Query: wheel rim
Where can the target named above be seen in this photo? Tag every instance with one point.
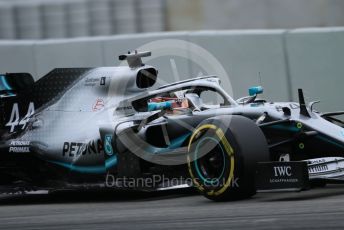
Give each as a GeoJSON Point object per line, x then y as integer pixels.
{"type": "Point", "coordinates": [210, 168]}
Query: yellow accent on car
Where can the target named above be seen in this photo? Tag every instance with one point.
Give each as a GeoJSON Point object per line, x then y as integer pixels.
{"type": "Point", "coordinates": [301, 145]}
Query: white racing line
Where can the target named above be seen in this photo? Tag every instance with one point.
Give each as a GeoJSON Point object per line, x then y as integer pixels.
{"type": "Point", "coordinates": [23, 193]}
{"type": "Point", "coordinates": [38, 192]}
{"type": "Point", "coordinates": [174, 187]}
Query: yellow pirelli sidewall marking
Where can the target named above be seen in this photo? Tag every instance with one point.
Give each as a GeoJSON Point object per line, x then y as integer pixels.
{"type": "Point", "coordinates": [200, 187]}
{"type": "Point", "coordinates": [206, 126]}
{"type": "Point", "coordinates": [229, 150]}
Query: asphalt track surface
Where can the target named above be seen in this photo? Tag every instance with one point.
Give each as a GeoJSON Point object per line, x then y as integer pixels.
{"type": "Point", "coordinates": [321, 208]}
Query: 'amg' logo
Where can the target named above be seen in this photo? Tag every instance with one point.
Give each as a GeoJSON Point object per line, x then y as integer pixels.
{"type": "Point", "coordinates": [282, 171]}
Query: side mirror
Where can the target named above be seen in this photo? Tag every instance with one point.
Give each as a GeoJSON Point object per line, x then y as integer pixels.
{"type": "Point", "coordinates": [255, 90]}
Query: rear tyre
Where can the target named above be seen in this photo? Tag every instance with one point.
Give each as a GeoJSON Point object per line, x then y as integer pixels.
{"type": "Point", "coordinates": [223, 152]}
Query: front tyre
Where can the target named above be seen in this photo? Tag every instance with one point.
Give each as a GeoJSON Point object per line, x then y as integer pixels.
{"type": "Point", "coordinates": [223, 152]}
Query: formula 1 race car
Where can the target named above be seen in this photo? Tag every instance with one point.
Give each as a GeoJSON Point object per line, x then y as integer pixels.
{"type": "Point", "coordinates": [108, 127]}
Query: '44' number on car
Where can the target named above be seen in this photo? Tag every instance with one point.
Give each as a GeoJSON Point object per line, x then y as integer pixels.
{"type": "Point", "coordinates": [15, 119]}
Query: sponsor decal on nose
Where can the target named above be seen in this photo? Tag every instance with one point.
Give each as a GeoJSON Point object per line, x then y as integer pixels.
{"type": "Point", "coordinates": [98, 105]}
{"type": "Point", "coordinates": [19, 146]}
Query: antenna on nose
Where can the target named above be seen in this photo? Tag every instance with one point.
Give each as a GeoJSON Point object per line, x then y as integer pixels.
{"type": "Point", "coordinates": [303, 108]}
